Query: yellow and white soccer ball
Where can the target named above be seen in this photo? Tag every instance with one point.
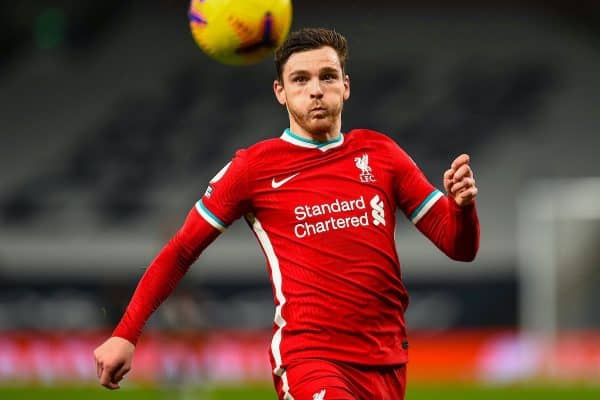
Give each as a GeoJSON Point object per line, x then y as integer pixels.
{"type": "Point", "coordinates": [239, 32]}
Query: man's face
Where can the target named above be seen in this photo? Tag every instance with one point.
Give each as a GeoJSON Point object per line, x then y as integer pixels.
{"type": "Point", "coordinates": [314, 89]}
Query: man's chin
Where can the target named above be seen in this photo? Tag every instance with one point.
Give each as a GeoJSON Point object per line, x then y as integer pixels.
{"type": "Point", "coordinates": [319, 126]}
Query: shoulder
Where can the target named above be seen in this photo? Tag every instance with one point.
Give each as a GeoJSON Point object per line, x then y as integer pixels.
{"type": "Point", "coordinates": [394, 152]}
{"type": "Point", "coordinates": [379, 139]}
{"type": "Point", "coordinates": [256, 151]}
{"type": "Point", "coordinates": [259, 155]}
{"type": "Point", "coordinates": [370, 135]}
{"type": "Point", "coordinates": [263, 148]}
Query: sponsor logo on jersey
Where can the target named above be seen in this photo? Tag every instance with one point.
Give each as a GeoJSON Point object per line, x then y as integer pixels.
{"type": "Point", "coordinates": [378, 213]}
{"type": "Point", "coordinates": [362, 163]}
{"type": "Point", "coordinates": [339, 214]}
{"type": "Point", "coordinates": [320, 395]}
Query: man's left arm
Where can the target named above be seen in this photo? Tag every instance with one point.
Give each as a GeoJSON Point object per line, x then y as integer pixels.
{"type": "Point", "coordinates": [452, 223]}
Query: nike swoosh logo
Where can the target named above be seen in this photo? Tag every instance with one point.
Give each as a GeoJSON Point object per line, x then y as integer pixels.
{"type": "Point", "coordinates": [277, 184]}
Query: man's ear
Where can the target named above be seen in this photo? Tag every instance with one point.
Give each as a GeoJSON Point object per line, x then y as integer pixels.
{"type": "Point", "coordinates": [346, 87]}
{"type": "Point", "coordinates": [279, 91]}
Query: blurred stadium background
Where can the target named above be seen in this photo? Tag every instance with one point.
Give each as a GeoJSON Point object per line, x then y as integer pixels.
{"type": "Point", "coordinates": [112, 122]}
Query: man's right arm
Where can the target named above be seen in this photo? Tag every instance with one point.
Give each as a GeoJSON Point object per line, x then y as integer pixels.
{"type": "Point", "coordinates": [113, 357]}
{"type": "Point", "coordinates": [225, 200]}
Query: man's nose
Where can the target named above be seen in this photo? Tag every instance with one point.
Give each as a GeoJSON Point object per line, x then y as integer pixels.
{"type": "Point", "coordinates": [315, 89]}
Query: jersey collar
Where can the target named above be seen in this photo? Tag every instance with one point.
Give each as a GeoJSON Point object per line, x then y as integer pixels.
{"type": "Point", "coordinates": [294, 139]}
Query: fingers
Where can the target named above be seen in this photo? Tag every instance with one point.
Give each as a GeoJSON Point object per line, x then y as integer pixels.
{"type": "Point", "coordinates": [113, 360]}
{"type": "Point", "coordinates": [120, 373]}
{"type": "Point", "coordinates": [460, 160]}
{"type": "Point", "coordinates": [462, 171]}
{"type": "Point", "coordinates": [110, 375]}
{"type": "Point", "coordinates": [448, 175]}
{"type": "Point", "coordinates": [108, 378]}
{"type": "Point", "coordinates": [467, 196]}
{"type": "Point", "coordinates": [455, 180]}
{"type": "Point", "coordinates": [458, 169]}
{"type": "Point", "coordinates": [459, 181]}
{"type": "Point", "coordinates": [465, 183]}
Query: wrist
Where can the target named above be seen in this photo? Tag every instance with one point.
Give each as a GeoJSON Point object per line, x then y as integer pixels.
{"type": "Point", "coordinates": [125, 334]}
{"type": "Point", "coordinates": [460, 207]}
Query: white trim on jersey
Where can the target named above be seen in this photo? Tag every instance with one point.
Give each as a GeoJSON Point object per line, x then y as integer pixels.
{"type": "Point", "coordinates": [210, 217]}
{"type": "Point", "coordinates": [291, 137]}
{"type": "Point", "coordinates": [265, 242]}
{"type": "Point", "coordinates": [220, 174]}
{"type": "Point", "coordinates": [425, 206]}
{"type": "Point", "coordinates": [285, 386]}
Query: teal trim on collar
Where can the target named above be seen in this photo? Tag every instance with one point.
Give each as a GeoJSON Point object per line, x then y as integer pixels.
{"type": "Point", "coordinates": [289, 132]}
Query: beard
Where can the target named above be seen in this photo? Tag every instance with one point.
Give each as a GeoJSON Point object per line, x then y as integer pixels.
{"type": "Point", "coordinates": [317, 122]}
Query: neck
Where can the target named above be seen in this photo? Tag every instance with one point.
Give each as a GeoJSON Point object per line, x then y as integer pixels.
{"type": "Point", "coordinates": [321, 136]}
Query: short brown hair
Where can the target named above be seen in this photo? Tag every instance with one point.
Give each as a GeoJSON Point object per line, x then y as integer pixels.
{"type": "Point", "coordinates": [310, 39]}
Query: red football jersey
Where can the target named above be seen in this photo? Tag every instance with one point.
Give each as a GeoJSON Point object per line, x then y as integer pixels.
{"type": "Point", "coordinates": [324, 216]}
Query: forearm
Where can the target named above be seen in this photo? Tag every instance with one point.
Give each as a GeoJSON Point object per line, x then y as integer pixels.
{"type": "Point", "coordinates": [164, 273]}
{"type": "Point", "coordinates": [453, 229]}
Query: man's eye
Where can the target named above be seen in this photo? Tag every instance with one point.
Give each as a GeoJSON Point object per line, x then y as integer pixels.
{"type": "Point", "coordinates": [300, 79]}
{"type": "Point", "coordinates": [329, 77]}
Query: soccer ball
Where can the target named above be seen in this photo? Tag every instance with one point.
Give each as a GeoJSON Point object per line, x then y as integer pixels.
{"type": "Point", "coordinates": [239, 32]}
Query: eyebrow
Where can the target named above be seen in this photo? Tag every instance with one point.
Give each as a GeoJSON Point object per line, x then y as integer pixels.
{"type": "Point", "coordinates": [329, 69]}
{"type": "Point", "coordinates": [322, 70]}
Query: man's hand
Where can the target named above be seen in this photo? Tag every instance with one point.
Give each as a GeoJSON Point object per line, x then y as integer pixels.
{"type": "Point", "coordinates": [113, 361]}
{"type": "Point", "coordinates": [459, 181]}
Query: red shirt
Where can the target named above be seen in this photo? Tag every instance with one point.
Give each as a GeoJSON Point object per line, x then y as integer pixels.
{"type": "Point", "coordinates": [324, 215]}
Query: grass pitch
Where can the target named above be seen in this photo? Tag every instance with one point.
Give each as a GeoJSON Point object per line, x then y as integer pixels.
{"type": "Point", "coordinates": [415, 392]}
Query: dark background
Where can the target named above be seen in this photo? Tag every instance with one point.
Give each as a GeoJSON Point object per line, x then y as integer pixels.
{"type": "Point", "coordinates": [112, 121]}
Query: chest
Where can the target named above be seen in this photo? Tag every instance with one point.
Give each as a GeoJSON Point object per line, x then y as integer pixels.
{"type": "Point", "coordinates": [344, 189]}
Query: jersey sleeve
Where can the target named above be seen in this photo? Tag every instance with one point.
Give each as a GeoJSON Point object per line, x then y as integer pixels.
{"type": "Point", "coordinates": [227, 196]}
{"type": "Point", "coordinates": [164, 273]}
{"type": "Point", "coordinates": [415, 195]}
